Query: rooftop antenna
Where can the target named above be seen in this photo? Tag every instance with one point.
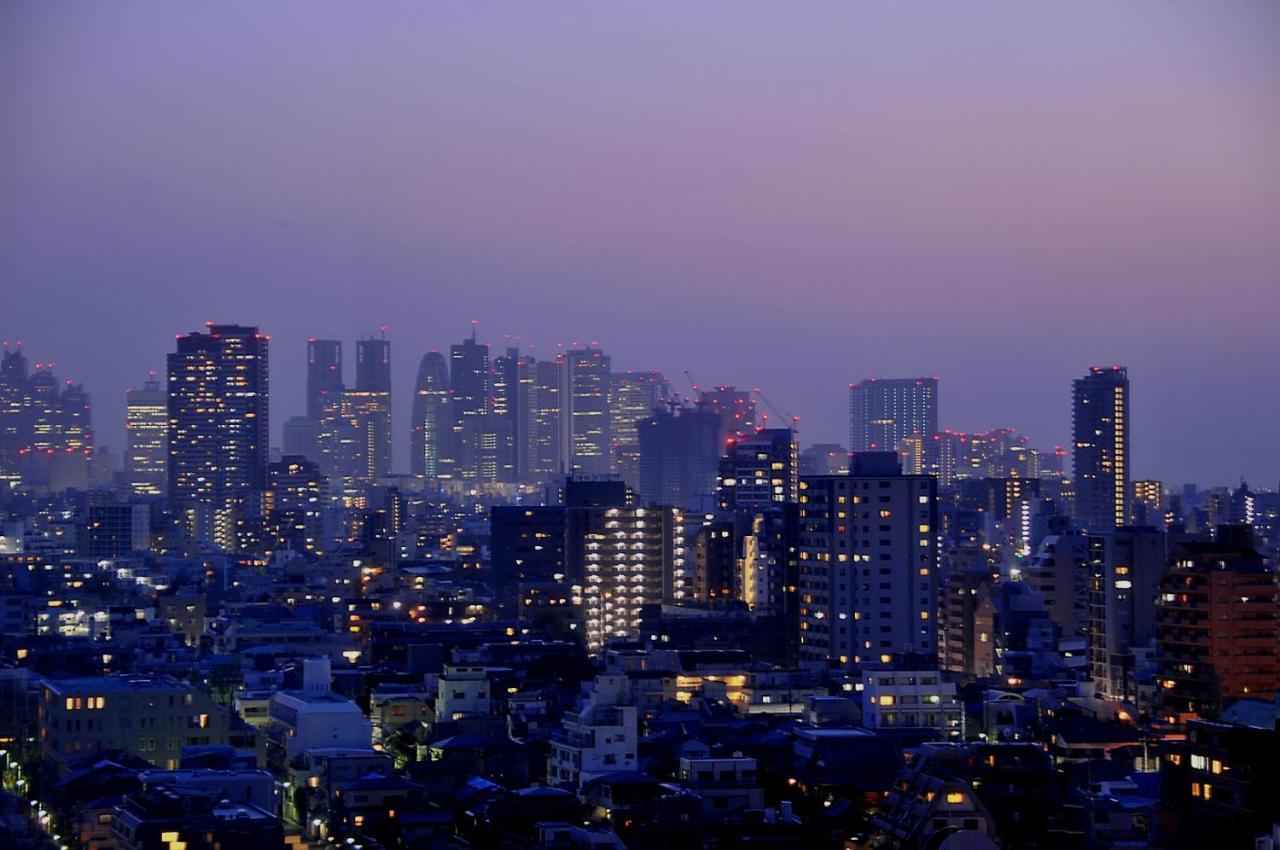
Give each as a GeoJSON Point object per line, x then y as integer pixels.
{"type": "Point", "coordinates": [474, 322]}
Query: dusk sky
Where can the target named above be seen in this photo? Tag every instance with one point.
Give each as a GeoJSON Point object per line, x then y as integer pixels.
{"type": "Point", "coordinates": [789, 195]}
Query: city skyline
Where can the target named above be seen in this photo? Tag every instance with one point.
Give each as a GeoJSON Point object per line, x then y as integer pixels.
{"type": "Point", "coordinates": [289, 399]}
{"type": "Point", "coordinates": [814, 426]}
{"type": "Point", "coordinates": [871, 192]}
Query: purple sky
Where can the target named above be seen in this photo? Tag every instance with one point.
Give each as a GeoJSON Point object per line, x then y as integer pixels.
{"type": "Point", "coordinates": [775, 194]}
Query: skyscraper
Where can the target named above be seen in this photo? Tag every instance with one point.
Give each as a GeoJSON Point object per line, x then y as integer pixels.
{"type": "Point", "coordinates": [373, 365]}
{"type": "Point", "coordinates": [868, 563]}
{"type": "Point", "coordinates": [327, 441]}
{"type": "Point", "coordinates": [1100, 439]}
{"type": "Point", "coordinates": [324, 376]}
{"type": "Point", "coordinates": [146, 425]}
{"type": "Point", "coordinates": [545, 459]}
{"type": "Point", "coordinates": [368, 408]}
{"type": "Point", "coordinates": [885, 411]}
{"type": "Point", "coordinates": [218, 428]}
{"type": "Point", "coordinates": [469, 399]}
{"type": "Point", "coordinates": [632, 396]}
{"type": "Point", "coordinates": [590, 440]}
{"type": "Point", "coordinates": [679, 457]}
{"type": "Point", "coordinates": [430, 429]}
{"type": "Point", "coordinates": [46, 427]}
{"type": "Point", "coordinates": [510, 413]}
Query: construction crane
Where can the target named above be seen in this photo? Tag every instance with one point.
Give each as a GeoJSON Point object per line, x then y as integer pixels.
{"type": "Point", "coordinates": [793, 421]}
{"type": "Point", "coordinates": [696, 389]}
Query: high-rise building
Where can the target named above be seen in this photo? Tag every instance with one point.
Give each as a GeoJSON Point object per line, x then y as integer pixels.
{"type": "Point", "coordinates": [543, 456]}
{"type": "Point", "coordinates": [633, 557]}
{"type": "Point", "coordinates": [146, 426]}
{"type": "Point", "coordinates": [868, 563]}
{"type": "Point", "coordinates": [1126, 566]}
{"type": "Point", "coordinates": [1217, 626]}
{"type": "Point", "coordinates": [218, 428]}
{"type": "Point", "coordinates": [611, 556]}
{"type": "Point", "coordinates": [368, 406]}
{"type": "Point", "coordinates": [590, 435]}
{"type": "Point", "coordinates": [324, 376]}
{"type": "Point", "coordinates": [296, 505]}
{"type": "Point", "coordinates": [1100, 430]}
{"type": "Point", "coordinates": [736, 409]}
{"type": "Point", "coordinates": [679, 458]}
{"type": "Point", "coordinates": [301, 437]}
{"type": "Point", "coordinates": [758, 471]}
{"type": "Point", "coordinates": [883, 412]}
{"type": "Point", "coordinates": [509, 417]}
{"type": "Point", "coordinates": [46, 429]}
{"type": "Point", "coordinates": [330, 445]}
{"type": "Point", "coordinates": [431, 429]}
{"type": "Point", "coordinates": [632, 396]}
{"type": "Point", "coordinates": [469, 376]}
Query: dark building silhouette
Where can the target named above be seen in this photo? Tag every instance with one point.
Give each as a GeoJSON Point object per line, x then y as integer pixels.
{"type": "Point", "coordinates": [679, 458]}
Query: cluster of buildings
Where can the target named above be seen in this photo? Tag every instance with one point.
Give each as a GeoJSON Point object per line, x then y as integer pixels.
{"type": "Point", "coordinates": [597, 613]}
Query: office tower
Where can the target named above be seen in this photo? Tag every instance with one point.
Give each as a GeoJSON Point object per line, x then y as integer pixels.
{"type": "Point", "coordinates": [333, 444]}
{"type": "Point", "coordinates": [587, 380]}
{"type": "Point", "coordinates": [1217, 626]}
{"type": "Point", "coordinates": [1146, 505]}
{"type": "Point", "coordinates": [544, 459]}
{"type": "Point", "coordinates": [868, 563]}
{"type": "Point", "coordinates": [13, 394]}
{"type": "Point", "coordinates": [1100, 432]}
{"type": "Point", "coordinates": [885, 411]}
{"type": "Point", "coordinates": [75, 422]}
{"type": "Point", "coordinates": [296, 505]}
{"type": "Point", "coordinates": [509, 417]}
{"type": "Point", "coordinates": [758, 471]}
{"type": "Point", "coordinates": [679, 458]}
{"type": "Point", "coordinates": [324, 376]}
{"type": "Point", "coordinates": [431, 429]}
{"type": "Point", "coordinates": [46, 429]}
{"type": "Point", "coordinates": [736, 409]}
{"type": "Point", "coordinates": [632, 396]}
{"type": "Point", "coordinates": [146, 424]}
{"type": "Point", "coordinates": [218, 428]}
{"type": "Point", "coordinates": [469, 399]}
{"type": "Point", "coordinates": [1126, 566]}
{"type": "Point", "coordinates": [301, 437]}
{"type": "Point", "coordinates": [368, 408]}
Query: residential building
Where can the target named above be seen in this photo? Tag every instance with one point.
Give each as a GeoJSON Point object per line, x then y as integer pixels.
{"type": "Point", "coordinates": [1100, 438]}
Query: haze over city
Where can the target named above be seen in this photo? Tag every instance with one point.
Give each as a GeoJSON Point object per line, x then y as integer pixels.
{"type": "Point", "coordinates": [998, 194]}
